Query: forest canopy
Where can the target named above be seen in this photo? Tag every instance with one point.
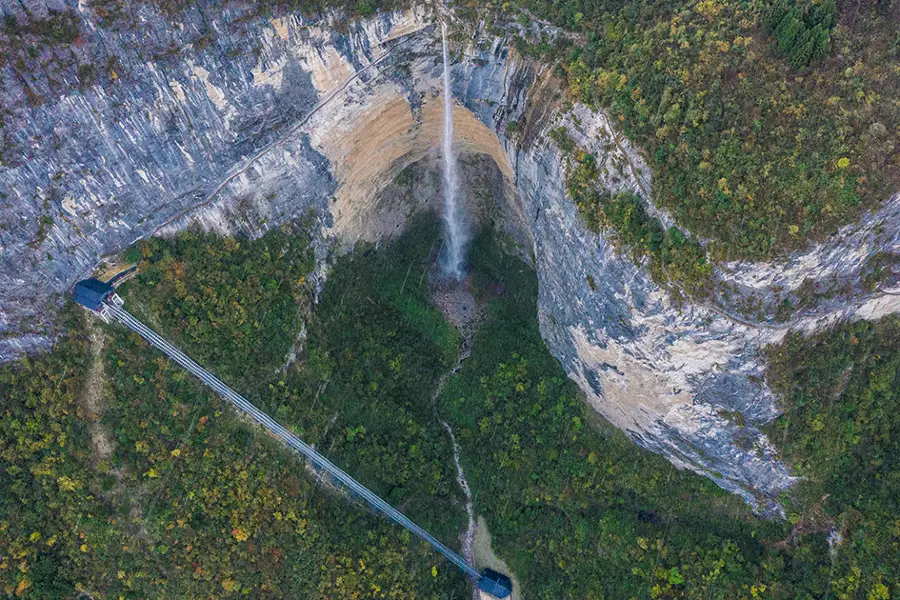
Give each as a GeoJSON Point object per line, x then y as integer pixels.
{"type": "Point", "coordinates": [767, 124]}
{"type": "Point", "coordinates": [166, 492]}
{"type": "Point", "coordinates": [841, 430]}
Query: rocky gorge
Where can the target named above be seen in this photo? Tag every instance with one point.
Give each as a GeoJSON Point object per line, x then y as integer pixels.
{"type": "Point", "coordinates": [256, 121]}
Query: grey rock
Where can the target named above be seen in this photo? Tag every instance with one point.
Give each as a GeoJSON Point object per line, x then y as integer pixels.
{"type": "Point", "coordinates": [36, 9]}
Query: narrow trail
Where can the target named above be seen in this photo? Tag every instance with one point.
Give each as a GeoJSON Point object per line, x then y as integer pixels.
{"type": "Point", "coordinates": [476, 539]}
{"type": "Point", "coordinates": [468, 538]}
{"type": "Point", "coordinates": [92, 400]}
{"type": "Point", "coordinates": [467, 330]}
{"type": "Point", "coordinates": [103, 445]}
{"type": "Point", "coordinates": [248, 162]}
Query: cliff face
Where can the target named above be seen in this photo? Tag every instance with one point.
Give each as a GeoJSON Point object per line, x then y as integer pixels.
{"type": "Point", "coordinates": [271, 119]}
{"type": "Point", "coordinates": [244, 121]}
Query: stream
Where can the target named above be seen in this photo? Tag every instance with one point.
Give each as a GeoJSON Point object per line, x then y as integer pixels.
{"type": "Point", "coordinates": [467, 327]}
{"type": "Point", "coordinates": [468, 538]}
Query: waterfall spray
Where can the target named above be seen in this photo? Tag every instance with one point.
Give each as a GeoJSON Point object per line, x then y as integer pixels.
{"type": "Point", "coordinates": [453, 260]}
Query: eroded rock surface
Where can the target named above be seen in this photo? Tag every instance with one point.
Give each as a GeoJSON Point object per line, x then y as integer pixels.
{"type": "Point", "coordinates": [280, 118]}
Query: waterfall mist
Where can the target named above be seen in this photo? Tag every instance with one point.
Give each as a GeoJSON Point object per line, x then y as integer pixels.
{"type": "Point", "coordinates": [453, 258]}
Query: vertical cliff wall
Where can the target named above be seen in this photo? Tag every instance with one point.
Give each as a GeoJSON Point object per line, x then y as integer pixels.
{"type": "Point", "coordinates": [685, 380]}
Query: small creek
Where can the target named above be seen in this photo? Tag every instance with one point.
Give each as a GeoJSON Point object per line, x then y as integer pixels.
{"type": "Point", "coordinates": [461, 309]}
{"type": "Point", "coordinates": [469, 537]}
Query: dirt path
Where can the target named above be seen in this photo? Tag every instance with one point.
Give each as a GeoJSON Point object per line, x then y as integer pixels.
{"type": "Point", "coordinates": [92, 398]}
{"type": "Point", "coordinates": [93, 403]}
{"type": "Point", "coordinates": [458, 306]}
{"type": "Point", "coordinates": [468, 536]}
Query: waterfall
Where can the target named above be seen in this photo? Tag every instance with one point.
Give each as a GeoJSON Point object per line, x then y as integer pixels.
{"type": "Point", "coordinates": [453, 260]}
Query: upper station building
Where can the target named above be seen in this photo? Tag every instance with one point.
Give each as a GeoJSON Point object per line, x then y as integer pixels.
{"type": "Point", "coordinates": [94, 295]}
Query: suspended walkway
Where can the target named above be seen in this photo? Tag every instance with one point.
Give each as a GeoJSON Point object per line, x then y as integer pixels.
{"type": "Point", "coordinates": [100, 298]}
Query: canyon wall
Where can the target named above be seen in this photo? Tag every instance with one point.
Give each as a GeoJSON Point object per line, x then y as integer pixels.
{"type": "Point", "coordinates": [273, 119]}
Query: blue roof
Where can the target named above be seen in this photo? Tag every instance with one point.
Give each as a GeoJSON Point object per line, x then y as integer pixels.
{"type": "Point", "coordinates": [496, 584]}
{"type": "Point", "coordinates": [90, 293]}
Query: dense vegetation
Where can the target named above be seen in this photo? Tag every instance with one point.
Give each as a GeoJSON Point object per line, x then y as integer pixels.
{"type": "Point", "coordinates": [577, 510]}
{"type": "Point", "coordinates": [675, 260]}
{"type": "Point", "coordinates": [802, 31]}
{"type": "Point", "coordinates": [192, 502]}
{"type": "Point", "coordinates": [841, 430]}
{"type": "Point", "coordinates": [766, 124]}
{"type": "Point", "coordinates": [189, 500]}
{"type": "Point", "coordinates": [232, 304]}
{"type": "Point", "coordinates": [46, 481]}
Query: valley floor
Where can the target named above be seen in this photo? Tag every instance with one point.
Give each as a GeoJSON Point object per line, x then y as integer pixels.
{"type": "Point", "coordinates": [189, 501]}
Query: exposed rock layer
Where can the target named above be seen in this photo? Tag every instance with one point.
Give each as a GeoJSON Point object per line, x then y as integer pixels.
{"type": "Point", "coordinates": [280, 118]}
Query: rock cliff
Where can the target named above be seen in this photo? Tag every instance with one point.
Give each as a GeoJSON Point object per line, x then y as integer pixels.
{"type": "Point", "coordinates": [239, 122]}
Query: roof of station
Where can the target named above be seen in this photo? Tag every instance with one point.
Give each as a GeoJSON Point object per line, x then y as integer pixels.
{"type": "Point", "coordinates": [90, 293]}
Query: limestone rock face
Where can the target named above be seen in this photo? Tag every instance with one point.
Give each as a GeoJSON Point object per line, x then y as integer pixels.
{"type": "Point", "coordinates": [255, 121]}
